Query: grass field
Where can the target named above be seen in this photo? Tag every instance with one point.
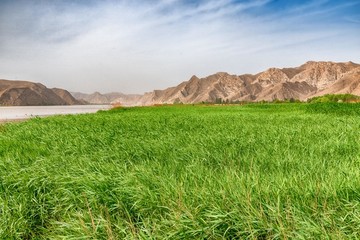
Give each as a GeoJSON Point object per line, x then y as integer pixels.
{"type": "Point", "coordinates": [262, 171]}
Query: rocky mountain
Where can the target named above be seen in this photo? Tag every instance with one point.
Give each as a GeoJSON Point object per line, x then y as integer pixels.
{"type": "Point", "coordinates": [348, 83]}
{"type": "Point", "coordinates": [308, 80]}
{"type": "Point", "coordinates": [24, 93]}
{"type": "Point", "coordinates": [108, 98]}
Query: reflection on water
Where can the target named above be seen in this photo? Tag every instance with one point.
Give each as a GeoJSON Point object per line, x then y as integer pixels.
{"type": "Point", "coordinates": [23, 112]}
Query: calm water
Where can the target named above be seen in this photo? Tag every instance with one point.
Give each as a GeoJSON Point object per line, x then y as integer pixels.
{"type": "Point", "coordinates": [23, 112]}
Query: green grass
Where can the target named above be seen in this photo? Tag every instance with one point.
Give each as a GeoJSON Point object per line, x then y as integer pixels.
{"type": "Point", "coordinates": [261, 171]}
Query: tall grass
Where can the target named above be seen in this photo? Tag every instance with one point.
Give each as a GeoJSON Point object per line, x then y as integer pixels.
{"type": "Point", "coordinates": [185, 172]}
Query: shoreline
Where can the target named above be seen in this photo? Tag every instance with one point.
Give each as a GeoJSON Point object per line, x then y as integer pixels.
{"type": "Point", "coordinates": [3, 121]}
{"type": "Point", "coordinates": [22, 113]}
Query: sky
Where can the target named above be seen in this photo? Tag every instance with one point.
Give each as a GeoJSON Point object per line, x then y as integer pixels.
{"type": "Point", "coordinates": [137, 46]}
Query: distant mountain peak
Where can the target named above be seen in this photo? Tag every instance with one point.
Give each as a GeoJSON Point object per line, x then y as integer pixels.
{"type": "Point", "coordinates": [108, 98]}
{"type": "Point", "coordinates": [193, 77]}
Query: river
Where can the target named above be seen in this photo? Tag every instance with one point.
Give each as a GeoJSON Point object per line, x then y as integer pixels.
{"type": "Point", "coordinates": [24, 112]}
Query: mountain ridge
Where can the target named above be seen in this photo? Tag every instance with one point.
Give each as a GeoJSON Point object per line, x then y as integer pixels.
{"type": "Point", "coordinates": [311, 79]}
{"type": "Point", "coordinates": [302, 82]}
{"type": "Point", "coordinates": [26, 93]}
{"type": "Point", "coordinates": [107, 98]}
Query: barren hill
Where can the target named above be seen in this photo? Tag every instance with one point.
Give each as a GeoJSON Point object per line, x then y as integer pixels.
{"type": "Point", "coordinates": [305, 81]}
{"type": "Point", "coordinates": [24, 93]}
{"type": "Point", "coordinates": [108, 98]}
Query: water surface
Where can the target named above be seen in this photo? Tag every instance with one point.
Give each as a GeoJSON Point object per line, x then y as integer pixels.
{"type": "Point", "coordinates": [24, 112]}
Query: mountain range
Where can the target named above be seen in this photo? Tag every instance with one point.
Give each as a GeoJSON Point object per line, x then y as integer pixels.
{"type": "Point", "coordinates": [308, 80]}
{"type": "Point", "coordinates": [108, 98]}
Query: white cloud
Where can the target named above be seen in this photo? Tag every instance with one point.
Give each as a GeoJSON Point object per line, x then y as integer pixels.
{"type": "Point", "coordinates": [141, 45]}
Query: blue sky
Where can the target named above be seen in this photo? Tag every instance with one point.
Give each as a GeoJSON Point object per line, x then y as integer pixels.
{"type": "Point", "coordinates": [141, 45]}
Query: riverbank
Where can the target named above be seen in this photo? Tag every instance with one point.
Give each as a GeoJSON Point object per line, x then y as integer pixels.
{"type": "Point", "coordinates": [17, 113]}
{"type": "Point", "coordinates": [12, 120]}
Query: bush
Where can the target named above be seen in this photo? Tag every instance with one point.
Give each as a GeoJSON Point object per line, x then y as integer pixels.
{"type": "Point", "coordinates": [335, 98]}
